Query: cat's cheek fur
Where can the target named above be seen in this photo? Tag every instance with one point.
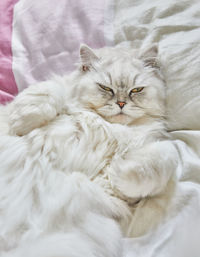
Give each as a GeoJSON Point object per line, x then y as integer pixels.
{"type": "Point", "coordinates": [90, 97]}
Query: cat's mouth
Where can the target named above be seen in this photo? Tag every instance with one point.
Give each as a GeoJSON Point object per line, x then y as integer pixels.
{"type": "Point", "coordinates": [119, 117]}
{"type": "Point", "coordinates": [121, 113]}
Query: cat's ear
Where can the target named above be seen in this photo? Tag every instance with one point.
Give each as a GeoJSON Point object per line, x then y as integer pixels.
{"type": "Point", "coordinates": [149, 56]}
{"type": "Point", "coordinates": [88, 57]}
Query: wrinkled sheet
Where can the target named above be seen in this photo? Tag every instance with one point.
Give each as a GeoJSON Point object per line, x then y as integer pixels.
{"type": "Point", "coordinates": [45, 39]}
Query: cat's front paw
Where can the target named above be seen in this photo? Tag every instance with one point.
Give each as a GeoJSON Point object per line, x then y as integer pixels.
{"type": "Point", "coordinates": [132, 180]}
{"type": "Point", "coordinates": [35, 107]}
{"type": "Point", "coordinates": [25, 118]}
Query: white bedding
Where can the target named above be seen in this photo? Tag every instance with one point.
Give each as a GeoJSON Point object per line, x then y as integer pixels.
{"type": "Point", "coordinates": [175, 26]}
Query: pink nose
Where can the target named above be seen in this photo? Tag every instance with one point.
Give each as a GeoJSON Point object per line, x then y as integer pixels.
{"type": "Point", "coordinates": [121, 104]}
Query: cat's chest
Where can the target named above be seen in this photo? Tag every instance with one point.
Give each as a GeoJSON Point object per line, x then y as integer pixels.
{"type": "Point", "coordinates": [82, 143]}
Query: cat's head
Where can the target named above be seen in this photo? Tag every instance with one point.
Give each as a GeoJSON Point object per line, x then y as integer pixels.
{"type": "Point", "coordinates": [121, 85]}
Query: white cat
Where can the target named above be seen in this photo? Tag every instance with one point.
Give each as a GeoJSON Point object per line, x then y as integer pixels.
{"type": "Point", "coordinates": [77, 152]}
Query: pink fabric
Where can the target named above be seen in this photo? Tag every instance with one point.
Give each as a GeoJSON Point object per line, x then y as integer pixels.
{"type": "Point", "coordinates": [41, 38]}
{"type": "Point", "coordinates": [8, 86]}
{"type": "Point", "coordinates": [47, 35]}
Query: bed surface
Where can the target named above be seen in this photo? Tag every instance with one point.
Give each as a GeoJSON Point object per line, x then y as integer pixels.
{"type": "Point", "coordinates": [40, 38]}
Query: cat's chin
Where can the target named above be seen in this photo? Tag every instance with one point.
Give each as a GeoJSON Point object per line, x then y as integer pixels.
{"type": "Point", "coordinates": [120, 118]}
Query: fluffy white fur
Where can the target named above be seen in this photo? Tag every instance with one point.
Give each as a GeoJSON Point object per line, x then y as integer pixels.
{"type": "Point", "coordinates": [73, 163]}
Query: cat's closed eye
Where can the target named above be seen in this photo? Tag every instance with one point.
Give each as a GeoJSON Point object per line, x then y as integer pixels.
{"type": "Point", "coordinates": [136, 90]}
{"type": "Point", "coordinates": [108, 89]}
